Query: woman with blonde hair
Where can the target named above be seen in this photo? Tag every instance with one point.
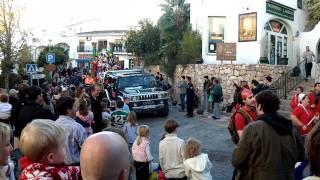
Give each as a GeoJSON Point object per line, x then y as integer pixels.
{"type": "Point", "coordinates": [7, 168]}
{"type": "Point", "coordinates": [141, 153]}
{"type": "Point", "coordinates": [130, 128]}
{"type": "Point", "coordinates": [197, 164]}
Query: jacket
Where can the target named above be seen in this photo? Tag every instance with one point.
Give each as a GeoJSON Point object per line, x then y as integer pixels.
{"type": "Point", "coordinates": [171, 156]}
{"type": "Point", "coordinates": [30, 112]}
{"type": "Point", "coordinates": [32, 170]}
{"type": "Point", "coordinates": [217, 93]}
{"type": "Point", "coordinates": [268, 149]}
{"type": "Point", "coordinates": [198, 168]}
{"type": "Point", "coordinates": [97, 113]}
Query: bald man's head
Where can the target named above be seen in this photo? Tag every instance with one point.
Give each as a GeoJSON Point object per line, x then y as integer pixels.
{"type": "Point", "coordinates": [104, 155]}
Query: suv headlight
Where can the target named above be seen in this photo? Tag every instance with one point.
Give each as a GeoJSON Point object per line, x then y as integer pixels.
{"type": "Point", "coordinates": [163, 95]}
{"type": "Point", "coordinates": [134, 98]}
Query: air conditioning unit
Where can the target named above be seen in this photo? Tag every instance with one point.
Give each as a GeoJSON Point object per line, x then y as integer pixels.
{"type": "Point", "coordinates": [88, 38]}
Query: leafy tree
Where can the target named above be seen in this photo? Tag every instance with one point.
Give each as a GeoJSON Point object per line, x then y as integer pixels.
{"type": "Point", "coordinates": [173, 23]}
{"type": "Point", "coordinates": [9, 31]}
{"type": "Point", "coordinates": [61, 55]}
{"type": "Point", "coordinates": [24, 57]}
{"type": "Point", "coordinates": [145, 42]}
{"type": "Point", "coordinates": [191, 48]}
{"type": "Point", "coordinates": [312, 7]}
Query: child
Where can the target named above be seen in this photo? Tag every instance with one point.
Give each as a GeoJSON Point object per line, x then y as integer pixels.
{"type": "Point", "coordinates": [130, 128]}
{"type": "Point", "coordinates": [197, 164]}
{"type": "Point", "coordinates": [7, 167]}
{"type": "Point", "coordinates": [42, 143]}
{"type": "Point", "coordinates": [5, 108]}
{"type": "Point", "coordinates": [106, 115]}
{"type": "Point", "coordinates": [84, 116]}
{"type": "Point", "coordinates": [125, 105]}
{"type": "Point", "coordinates": [141, 153]}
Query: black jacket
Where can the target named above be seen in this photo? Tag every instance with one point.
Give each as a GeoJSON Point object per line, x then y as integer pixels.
{"type": "Point", "coordinates": [97, 113]}
{"type": "Point", "coordinates": [29, 112]}
{"type": "Point", "coordinates": [190, 93]}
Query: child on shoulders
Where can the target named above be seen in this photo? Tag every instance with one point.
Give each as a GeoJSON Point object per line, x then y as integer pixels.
{"type": "Point", "coordinates": [43, 144]}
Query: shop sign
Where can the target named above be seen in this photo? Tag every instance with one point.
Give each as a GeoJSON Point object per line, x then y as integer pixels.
{"type": "Point", "coordinates": [280, 10]}
{"type": "Point", "coordinates": [227, 51]}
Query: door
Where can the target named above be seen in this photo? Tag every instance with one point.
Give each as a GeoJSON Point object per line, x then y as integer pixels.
{"type": "Point", "coordinates": [277, 47]}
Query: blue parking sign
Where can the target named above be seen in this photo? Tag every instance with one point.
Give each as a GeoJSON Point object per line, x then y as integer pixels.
{"type": "Point", "coordinates": [51, 58]}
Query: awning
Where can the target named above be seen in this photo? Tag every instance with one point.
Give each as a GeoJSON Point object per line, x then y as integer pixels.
{"type": "Point", "coordinates": [85, 60]}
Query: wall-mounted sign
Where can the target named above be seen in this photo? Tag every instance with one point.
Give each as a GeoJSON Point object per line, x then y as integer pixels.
{"type": "Point", "coordinates": [248, 27]}
{"type": "Point", "coordinates": [227, 51]}
{"type": "Point", "coordinates": [280, 10]}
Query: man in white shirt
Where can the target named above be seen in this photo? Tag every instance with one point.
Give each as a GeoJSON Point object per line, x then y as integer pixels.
{"type": "Point", "coordinates": [308, 57]}
{"type": "Point", "coordinates": [171, 153]}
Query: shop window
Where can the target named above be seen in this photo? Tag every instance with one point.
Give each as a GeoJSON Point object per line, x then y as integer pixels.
{"type": "Point", "coordinates": [216, 32]}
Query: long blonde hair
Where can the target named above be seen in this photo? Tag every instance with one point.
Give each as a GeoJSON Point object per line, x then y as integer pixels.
{"type": "Point", "coordinates": [132, 118]}
{"type": "Point", "coordinates": [4, 135]}
{"type": "Point", "coordinates": [143, 132]}
{"type": "Point", "coordinates": [192, 148]}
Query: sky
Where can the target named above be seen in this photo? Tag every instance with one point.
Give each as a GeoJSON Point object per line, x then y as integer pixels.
{"type": "Point", "coordinates": [51, 17]}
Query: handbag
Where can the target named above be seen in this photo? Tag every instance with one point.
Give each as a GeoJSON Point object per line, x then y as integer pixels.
{"type": "Point", "coordinates": [210, 98]}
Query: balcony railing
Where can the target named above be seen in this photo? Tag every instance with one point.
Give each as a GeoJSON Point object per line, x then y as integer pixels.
{"type": "Point", "coordinates": [84, 49]}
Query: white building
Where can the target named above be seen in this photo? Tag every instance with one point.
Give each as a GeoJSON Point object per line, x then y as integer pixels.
{"type": "Point", "coordinates": [108, 40]}
{"type": "Point", "coordinates": [260, 28]}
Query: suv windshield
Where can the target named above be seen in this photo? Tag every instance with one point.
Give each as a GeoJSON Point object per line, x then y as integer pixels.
{"type": "Point", "coordinates": [145, 81]}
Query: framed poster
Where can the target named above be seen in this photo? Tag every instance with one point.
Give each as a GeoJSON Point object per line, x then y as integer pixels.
{"type": "Point", "coordinates": [216, 34]}
{"type": "Point", "coordinates": [248, 27]}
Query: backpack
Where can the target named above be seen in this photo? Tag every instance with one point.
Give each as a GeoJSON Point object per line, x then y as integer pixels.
{"type": "Point", "coordinates": [232, 125]}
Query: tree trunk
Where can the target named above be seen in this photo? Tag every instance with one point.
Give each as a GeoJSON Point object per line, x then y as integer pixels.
{"type": "Point", "coordinates": [6, 80]}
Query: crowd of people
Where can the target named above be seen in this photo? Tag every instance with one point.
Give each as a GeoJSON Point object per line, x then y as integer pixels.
{"type": "Point", "coordinates": [76, 133]}
{"type": "Point", "coordinates": [271, 146]}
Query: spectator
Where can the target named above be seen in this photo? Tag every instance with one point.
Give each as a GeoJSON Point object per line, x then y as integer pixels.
{"type": "Point", "coordinates": [76, 134]}
{"type": "Point", "coordinates": [268, 147]}
{"type": "Point", "coordinates": [294, 100]}
{"type": "Point", "coordinates": [97, 164]}
{"type": "Point", "coordinates": [206, 93]}
{"type": "Point", "coordinates": [130, 128]}
{"type": "Point", "coordinates": [183, 90]}
{"type": "Point", "coordinates": [269, 85]}
{"type": "Point", "coordinates": [43, 144]}
{"type": "Point", "coordinates": [314, 98]}
{"type": "Point", "coordinates": [171, 152]}
{"type": "Point", "coordinates": [257, 87]}
{"type": "Point", "coordinates": [106, 114]}
{"type": "Point", "coordinates": [33, 110]}
{"type": "Point", "coordinates": [5, 109]}
{"type": "Point", "coordinates": [141, 153]}
{"type": "Point", "coordinates": [197, 164]}
{"type": "Point", "coordinates": [126, 105]}
{"type": "Point", "coordinates": [247, 112]}
{"type": "Point", "coordinates": [13, 96]}
{"type": "Point", "coordinates": [217, 99]}
{"type": "Point", "coordinates": [96, 108]}
{"type": "Point", "coordinates": [313, 150]}
{"type": "Point", "coordinates": [119, 116]}
{"type": "Point", "coordinates": [5, 151]}
{"type": "Point", "coordinates": [190, 97]}
{"type": "Point", "coordinates": [308, 56]}
{"type": "Point", "coordinates": [302, 115]}
{"type": "Point", "coordinates": [84, 116]}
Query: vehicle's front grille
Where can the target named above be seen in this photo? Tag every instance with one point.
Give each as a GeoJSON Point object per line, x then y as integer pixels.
{"type": "Point", "coordinates": [148, 96]}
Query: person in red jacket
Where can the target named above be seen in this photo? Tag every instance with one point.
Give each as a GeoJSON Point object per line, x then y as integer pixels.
{"type": "Point", "coordinates": [294, 99]}
{"type": "Point", "coordinates": [314, 97]}
{"type": "Point", "coordinates": [302, 115]}
{"type": "Point", "coordinates": [248, 106]}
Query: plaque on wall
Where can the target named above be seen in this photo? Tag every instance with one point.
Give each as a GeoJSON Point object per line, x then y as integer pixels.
{"type": "Point", "coordinates": [226, 51]}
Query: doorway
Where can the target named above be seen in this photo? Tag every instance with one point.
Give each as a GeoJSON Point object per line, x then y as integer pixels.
{"type": "Point", "coordinates": [318, 52]}
{"type": "Point", "coordinates": [277, 42]}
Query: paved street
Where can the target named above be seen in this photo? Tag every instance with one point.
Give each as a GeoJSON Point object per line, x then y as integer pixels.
{"type": "Point", "coordinates": [213, 134]}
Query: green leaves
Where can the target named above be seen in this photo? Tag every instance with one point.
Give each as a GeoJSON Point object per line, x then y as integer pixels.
{"type": "Point", "coordinates": [61, 55]}
{"type": "Point", "coordinates": [312, 7]}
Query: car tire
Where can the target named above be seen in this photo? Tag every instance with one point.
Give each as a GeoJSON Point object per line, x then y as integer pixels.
{"type": "Point", "coordinates": [165, 111]}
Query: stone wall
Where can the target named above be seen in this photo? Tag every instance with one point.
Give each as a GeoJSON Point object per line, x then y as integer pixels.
{"type": "Point", "coordinates": [227, 73]}
{"type": "Point", "coordinates": [317, 70]}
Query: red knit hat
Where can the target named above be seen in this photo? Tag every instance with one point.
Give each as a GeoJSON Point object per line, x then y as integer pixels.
{"type": "Point", "coordinates": [245, 93]}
